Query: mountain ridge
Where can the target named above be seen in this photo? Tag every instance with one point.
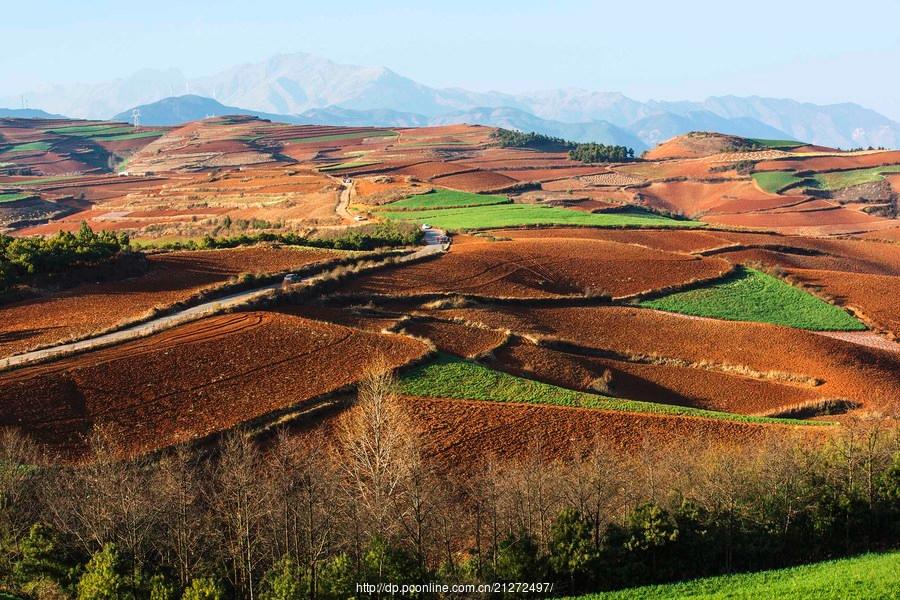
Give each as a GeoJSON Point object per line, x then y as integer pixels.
{"type": "Point", "coordinates": [292, 84]}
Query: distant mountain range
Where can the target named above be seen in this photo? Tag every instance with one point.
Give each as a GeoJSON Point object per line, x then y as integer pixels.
{"type": "Point", "coordinates": [302, 86]}
{"type": "Point", "coordinates": [27, 113]}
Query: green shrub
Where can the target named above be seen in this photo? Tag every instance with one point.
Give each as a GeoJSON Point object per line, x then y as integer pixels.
{"type": "Point", "coordinates": [103, 578]}
{"type": "Point", "coordinates": [284, 581]}
{"type": "Point", "coordinates": [203, 588]}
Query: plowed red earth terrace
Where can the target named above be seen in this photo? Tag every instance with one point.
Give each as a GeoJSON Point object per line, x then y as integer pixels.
{"type": "Point", "coordinates": [172, 277]}
{"type": "Point", "coordinates": [191, 381]}
{"type": "Point", "coordinates": [542, 268]}
{"type": "Point", "coordinates": [851, 371]}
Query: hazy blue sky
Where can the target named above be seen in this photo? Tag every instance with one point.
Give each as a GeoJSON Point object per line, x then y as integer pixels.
{"type": "Point", "coordinates": [823, 51]}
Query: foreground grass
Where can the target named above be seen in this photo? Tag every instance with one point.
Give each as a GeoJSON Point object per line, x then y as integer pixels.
{"type": "Point", "coordinates": [442, 198]}
{"type": "Point", "coordinates": [514, 215]}
{"type": "Point", "coordinates": [451, 377]}
{"type": "Point", "coordinates": [750, 295]}
{"type": "Point", "coordinates": [868, 577]}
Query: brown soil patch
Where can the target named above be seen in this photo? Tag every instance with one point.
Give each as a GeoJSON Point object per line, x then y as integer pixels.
{"type": "Point", "coordinates": [664, 384]}
{"type": "Point", "coordinates": [542, 268]}
{"type": "Point", "coordinates": [172, 277]}
{"type": "Point", "coordinates": [849, 371]}
{"type": "Point", "coordinates": [191, 381]}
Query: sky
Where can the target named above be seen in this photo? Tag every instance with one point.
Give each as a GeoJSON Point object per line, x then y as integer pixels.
{"type": "Point", "coordinates": [821, 52]}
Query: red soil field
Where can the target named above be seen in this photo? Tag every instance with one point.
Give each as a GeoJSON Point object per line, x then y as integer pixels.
{"type": "Point", "coordinates": [475, 181]}
{"type": "Point", "coordinates": [697, 198]}
{"type": "Point", "coordinates": [192, 381]}
{"type": "Point", "coordinates": [682, 386]}
{"type": "Point", "coordinates": [173, 277]}
{"type": "Point", "coordinates": [832, 163]}
{"type": "Point", "coordinates": [455, 338]}
{"type": "Point", "coordinates": [463, 434]}
{"type": "Point", "coordinates": [691, 145]}
{"type": "Point", "coordinates": [851, 371]}
{"type": "Point", "coordinates": [549, 174]}
{"type": "Point", "coordinates": [670, 240]}
{"type": "Point", "coordinates": [874, 296]}
{"type": "Point", "coordinates": [429, 170]}
{"type": "Point", "coordinates": [541, 268]}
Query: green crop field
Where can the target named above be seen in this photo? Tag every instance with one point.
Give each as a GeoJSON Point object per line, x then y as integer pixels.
{"type": "Point", "coordinates": [777, 144]}
{"type": "Point", "coordinates": [12, 197]}
{"type": "Point", "coordinates": [775, 181]}
{"type": "Point", "coordinates": [841, 179]}
{"type": "Point", "coordinates": [342, 136]}
{"type": "Point", "coordinates": [442, 198]}
{"type": "Point", "coordinates": [750, 295]}
{"type": "Point", "coordinates": [349, 165]}
{"type": "Point", "coordinates": [38, 180]}
{"type": "Point", "coordinates": [867, 577]}
{"type": "Point", "coordinates": [513, 215]}
{"type": "Point", "coordinates": [451, 377]}
{"type": "Point", "coordinates": [30, 147]}
{"type": "Point", "coordinates": [126, 136]}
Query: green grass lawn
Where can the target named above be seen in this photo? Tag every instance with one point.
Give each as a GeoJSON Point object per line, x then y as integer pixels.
{"type": "Point", "coordinates": [867, 577]}
{"type": "Point", "coordinates": [349, 165]}
{"type": "Point", "coordinates": [840, 179]}
{"type": "Point", "coordinates": [751, 295]}
{"type": "Point", "coordinates": [30, 147]}
{"type": "Point", "coordinates": [451, 377]}
{"type": "Point", "coordinates": [777, 144]}
{"type": "Point", "coordinates": [775, 181]}
{"type": "Point", "coordinates": [12, 197]}
{"type": "Point", "coordinates": [442, 198]}
{"type": "Point", "coordinates": [513, 215]}
{"type": "Point", "coordinates": [342, 136]}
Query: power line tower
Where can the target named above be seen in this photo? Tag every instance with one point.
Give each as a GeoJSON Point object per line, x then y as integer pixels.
{"type": "Point", "coordinates": [136, 117]}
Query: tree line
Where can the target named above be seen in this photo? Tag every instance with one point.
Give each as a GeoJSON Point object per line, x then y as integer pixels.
{"type": "Point", "coordinates": [26, 257]}
{"type": "Point", "coordinates": [288, 516]}
{"type": "Point", "coordinates": [586, 153]}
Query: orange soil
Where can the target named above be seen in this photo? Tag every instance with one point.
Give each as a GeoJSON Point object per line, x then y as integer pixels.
{"type": "Point", "coordinates": [475, 181]}
{"type": "Point", "coordinates": [690, 145]}
{"type": "Point", "coordinates": [831, 163]}
{"type": "Point", "coordinates": [173, 277]}
{"type": "Point", "coordinates": [875, 296]}
{"type": "Point", "coordinates": [698, 198]}
{"type": "Point", "coordinates": [668, 240]}
{"type": "Point", "coordinates": [455, 338]}
{"type": "Point", "coordinates": [542, 268]}
{"type": "Point", "coordinates": [192, 381]}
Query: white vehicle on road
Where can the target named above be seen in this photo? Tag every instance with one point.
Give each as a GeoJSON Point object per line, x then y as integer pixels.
{"type": "Point", "coordinates": [425, 226]}
{"type": "Point", "coordinates": [291, 278]}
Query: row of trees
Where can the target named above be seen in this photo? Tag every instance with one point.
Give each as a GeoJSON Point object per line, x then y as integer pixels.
{"type": "Point", "coordinates": [586, 153]}
{"type": "Point", "coordinates": [23, 258]}
{"type": "Point", "coordinates": [291, 516]}
{"type": "Point", "coordinates": [601, 153]}
{"type": "Point", "coordinates": [511, 138]}
{"type": "Point", "coordinates": [385, 234]}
